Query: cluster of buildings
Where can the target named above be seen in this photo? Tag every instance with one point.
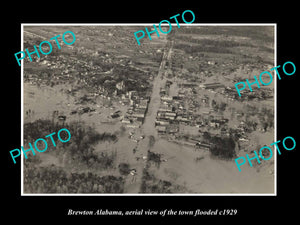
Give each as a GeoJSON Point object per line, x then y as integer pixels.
{"type": "Point", "coordinates": [60, 68]}
{"type": "Point", "coordinates": [138, 106]}
{"type": "Point", "coordinates": [173, 111]}
{"type": "Point", "coordinates": [187, 111]}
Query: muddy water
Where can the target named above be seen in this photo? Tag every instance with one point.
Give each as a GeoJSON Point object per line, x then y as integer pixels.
{"type": "Point", "coordinates": [210, 175]}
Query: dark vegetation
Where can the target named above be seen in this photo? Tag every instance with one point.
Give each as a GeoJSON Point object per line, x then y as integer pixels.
{"type": "Point", "coordinates": [77, 153]}
{"type": "Point", "coordinates": [219, 107]}
{"type": "Point", "coordinates": [57, 180]}
{"type": "Point", "coordinates": [133, 79]}
{"type": "Point", "coordinates": [151, 141]}
{"type": "Point", "coordinates": [80, 148]}
{"type": "Point", "coordinates": [150, 184]}
{"type": "Point", "coordinates": [221, 147]}
{"type": "Point", "coordinates": [266, 118]}
{"type": "Point", "coordinates": [124, 169]}
{"type": "Point", "coordinates": [154, 157]}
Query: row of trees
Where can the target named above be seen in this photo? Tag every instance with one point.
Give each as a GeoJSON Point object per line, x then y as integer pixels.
{"type": "Point", "coordinates": [55, 180]}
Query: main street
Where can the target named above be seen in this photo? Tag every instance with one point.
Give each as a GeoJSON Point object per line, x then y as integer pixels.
{"type": "Point", "coordinates": [148, 127]}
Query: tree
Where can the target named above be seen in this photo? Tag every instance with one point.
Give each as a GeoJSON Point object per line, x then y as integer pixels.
{"type": "Point", "coordinates": [206, 136]}
{"type": "Point", "coordinates": [122, 130]}
{"type": "Point", "coordinates": [222, 106]}
{"type": "Point", "coordinates": [213, 103]}
{"type": "Point", "coordinates": [124, 169]}
{"type": "Point", "coordinates": [151, 141]}
{"type": "Point", "coordinates": [223, 148]}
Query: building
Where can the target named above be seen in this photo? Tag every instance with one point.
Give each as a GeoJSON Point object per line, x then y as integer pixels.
{"type": "Point", "coordinates": [161, 129]}
{"type": "Point", "coordinates": [211, 85]}
{"type": "Point", "coordinates": [132, 94]}
{"type": "Point", "coordinates": [134, 125]}
{"type": "Point", "coordinates": [170, 114]}
{"type": "Point", "coordinates": [203, 146]}
{"type": "Point", "coordinates": [182, 119]}
{"type": "Point", "coordinates": [126, 121]}
{"type": "Point", "coordinates": [214, 124]}
{"type": "Point", "coordinates": [181, 94]}
{"type": "Point", "coordinates": [139, 114]}
{"type": "Point", "coordinates": [170, 117]}
{"type": "Point", "coordinates": [165, 108]}
{"type": "Point", "coordinates": [162, 122]}
{"type": "Point", "coordinates": [187, 143]}
{"type": "Point", "coordinates": [166, 98]}
{"type": "Point", "coordinates": [187, 85]}
{"type": "Point", "coordinates": [173, 130]}
{"type": "Point", "coordinates": [143, 104]}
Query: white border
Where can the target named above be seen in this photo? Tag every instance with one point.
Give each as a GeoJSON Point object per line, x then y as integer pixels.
{"type": "Point", "coordinates": [275, 110]}
{"type": "Point", "coordinates": [22, 110]}
{"type": "Point", "coordinates": [151, 24]}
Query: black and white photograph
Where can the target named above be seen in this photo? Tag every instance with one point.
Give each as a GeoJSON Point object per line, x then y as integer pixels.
{"type": "Point", "coordinates": [149, 113]}
{"type": "Point", "coordinates": [160, 118]}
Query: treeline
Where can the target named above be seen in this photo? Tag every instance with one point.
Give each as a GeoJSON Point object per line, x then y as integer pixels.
{"type": "Point", "coordinates": [190, 49]}
{"type": "Point", "coordinates": [79, 131]}
{"type": "Point", "coordinates": [56, 180]}
{"type": "Point", "coordinates": [80, 149]}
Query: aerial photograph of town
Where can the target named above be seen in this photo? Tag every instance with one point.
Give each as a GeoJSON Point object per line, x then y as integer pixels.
{"type": "Point", "coordinates": [162, 117]}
